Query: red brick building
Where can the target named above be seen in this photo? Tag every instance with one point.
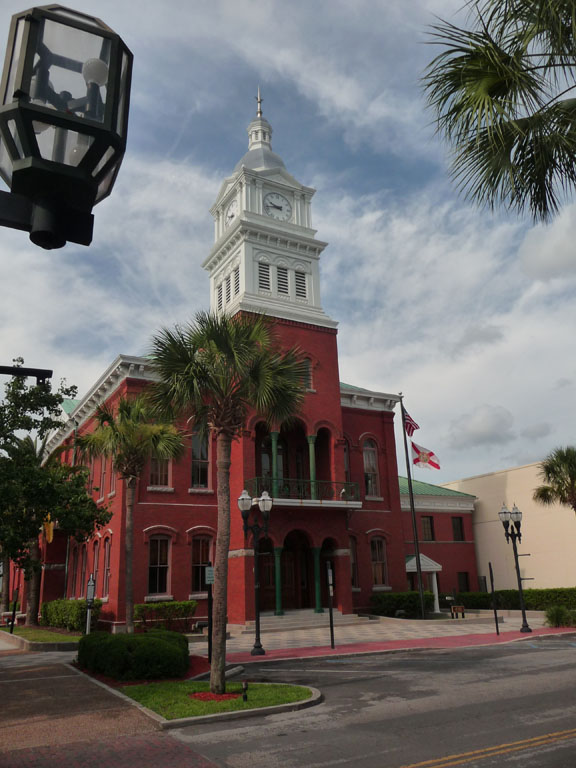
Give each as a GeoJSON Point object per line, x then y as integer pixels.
{"type": "Point", "coordinates": [332, 474]}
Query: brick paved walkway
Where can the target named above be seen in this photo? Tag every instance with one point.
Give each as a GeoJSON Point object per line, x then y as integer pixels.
{"type": "Point", "coordinates": [157, 750]}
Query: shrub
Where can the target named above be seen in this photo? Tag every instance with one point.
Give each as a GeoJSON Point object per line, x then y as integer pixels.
{"type": "Point", "coordinates": [148, 656]}
{"type": "Point", "coordinates": [69, 614]}
{"type": "Point", "coordinates": [508, 599]}
{"type": "Point", "coordinates": [173, 615]}
{"type": "Point", "coordinates": [560, 616]}
{"type": "Point", "coordinates": [388, 603]}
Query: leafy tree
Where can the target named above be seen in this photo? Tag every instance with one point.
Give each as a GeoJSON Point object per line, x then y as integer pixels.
{"type": "Point", "coordinates": [130, 436]}
{"type": "Point", "coordinates": [503, 93]}
{"type": "Point", "coordinates": [216, 371]}
{"type": "Point", "coordinates": [26, 407]}
{"type": "Point", "coordinates": [35, 491]}
{"type": "Point", "coordinates": [558, 470]}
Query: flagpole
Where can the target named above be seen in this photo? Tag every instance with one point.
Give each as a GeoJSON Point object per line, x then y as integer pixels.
{"type": "Point", "coordinates": [412, 511]}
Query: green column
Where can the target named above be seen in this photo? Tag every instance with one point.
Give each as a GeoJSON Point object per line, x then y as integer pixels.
{"type": "Point", "coordinates": [312, 455]}
{"type": "Point", "coordinates": [317, 589]}
{"type": "Point", "coordinates": [274, 440]}
{"type": "Point", "coordinates": [278, 580]}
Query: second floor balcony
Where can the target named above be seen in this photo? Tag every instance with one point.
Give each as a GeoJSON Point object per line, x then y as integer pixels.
{"type": "Point", "coordinates": [302, 492]}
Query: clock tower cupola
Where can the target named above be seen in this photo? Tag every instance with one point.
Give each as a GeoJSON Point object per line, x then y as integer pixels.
{"type": "Point", "coordinates": [265, 257]}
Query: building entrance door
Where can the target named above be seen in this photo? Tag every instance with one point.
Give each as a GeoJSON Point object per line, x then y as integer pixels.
{"type": "Point", "coordinates": [297, 572]}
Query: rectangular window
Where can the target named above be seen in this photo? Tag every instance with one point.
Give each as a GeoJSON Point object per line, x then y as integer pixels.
{"type": "Point", "coordinates": [112, 478]}
{"type": "Point", "coordinates": [228, 288]}
{"type": "Point", "coordinates": [378, 556]}
{"type": "Point", "coordinates": [219, 294]}
{"type": "Point", "coordinates": [101, 490]}
{"type": "Point", "coordinates": [200, 559]}
{"type": "Point", "coordinates": [354, 562]}
{"type": "Point", "coordinates": [236, 281]}
{"type": "Point", "coordinates": [74, 573]}
{"type": "Point", "coordinates": [106, 582]}
{"type": "Point", "coordinates": [159, 472]}
{"type": "Point", "coordinates": [95, 566]}
{"type": "Point", "coordinates": [83, 572]}
{"type": "Point", "coordinates": [300, 278]}
{"type": "Point", "coordinates": [463, 581]}
{"type": "Point", "coordinates": [458, 529]}
{"type": "Point", "coordinates": [264, 277]}
{"type": "Point", "coordinates": [200, 463]}
{"type": "Point", "coordinates": [158, 567]}
{"type": "Point", "coordinates": [428, 529]}
{"type": "Point", "coordinates": [282, 276]}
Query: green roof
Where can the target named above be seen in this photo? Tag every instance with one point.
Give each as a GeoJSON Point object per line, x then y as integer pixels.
{"type": "Point", "coordinates": [427, 489]}
{"type": "Point", "coordinates": [69, 405]}
{"type": "Point", "coordinates": [343, 385]}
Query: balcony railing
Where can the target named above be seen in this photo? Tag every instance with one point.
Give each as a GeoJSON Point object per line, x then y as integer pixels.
{"type": "Point", "coordinates": [304, 490]}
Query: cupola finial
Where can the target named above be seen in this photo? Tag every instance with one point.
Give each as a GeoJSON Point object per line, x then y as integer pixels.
{"type": "Point", "coordinates": [259, 99]}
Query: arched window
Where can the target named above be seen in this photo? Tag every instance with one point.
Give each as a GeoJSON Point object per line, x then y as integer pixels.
{"type": "Point", "coordinates": [158, 565]}
{"type": "Point", "coordinates": [201, 546]}
{"type": "Point", "coordinates": [378, 558]}
{"type": "Point", "coordinates": [106, 581]}
{"type": "Point", "coordinates": [200, 461]}
{"type": "Point", "coordinates": [354, 561]}
{"type": "Point", "coordinates": [96, 565]}
{"type": "Point", "coordinates": [371, 479]}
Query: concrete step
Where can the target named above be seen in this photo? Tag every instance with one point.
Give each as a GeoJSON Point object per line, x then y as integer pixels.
{"type": "Point", "coordinates": [298, 620]}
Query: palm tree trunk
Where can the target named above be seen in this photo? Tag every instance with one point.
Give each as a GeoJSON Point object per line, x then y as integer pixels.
{"type": "Point", "coordinates": [5, 597]}
{"type": "Point", "coordinates": [129, 553]}
{"type": "Point", "coordinates": [33, 601]}
{"type": "Point", "coordinates": [219, 606]}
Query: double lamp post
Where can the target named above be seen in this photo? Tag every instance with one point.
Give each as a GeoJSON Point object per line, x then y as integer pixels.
{"type": "Point", "coordinates": [512, 533]}
{"type": "Point", "coordinates": [256, 525]}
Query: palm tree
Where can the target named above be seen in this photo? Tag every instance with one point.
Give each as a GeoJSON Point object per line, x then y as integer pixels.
{"type": "Point", "coordinates": [503, 94]}
{"type": "Point", "coordinates": [216, 371]}
{"type": "Point", "coordinates": [558, 470]}
{"type": "Point", "coordinates": [129, 435]}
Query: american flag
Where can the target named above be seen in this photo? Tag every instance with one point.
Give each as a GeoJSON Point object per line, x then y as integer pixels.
{"type": "Point", "coordinates": [409, 424]}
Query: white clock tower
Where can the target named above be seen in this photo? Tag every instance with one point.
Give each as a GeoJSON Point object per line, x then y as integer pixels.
{"type": "Point", "coordinates": [265, 257]}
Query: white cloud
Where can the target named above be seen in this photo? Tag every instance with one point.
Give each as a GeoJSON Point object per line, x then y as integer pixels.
{"type": "Point", "coordinates": [487, 425]}
{"type": "Point", "coordinates": [547, 251]}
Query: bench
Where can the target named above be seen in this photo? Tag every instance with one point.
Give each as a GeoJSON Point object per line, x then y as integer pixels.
{"type": "Point", "coordinates": [456, 610]}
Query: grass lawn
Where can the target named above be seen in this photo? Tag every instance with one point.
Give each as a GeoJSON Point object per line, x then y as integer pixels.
{"type": "Point", "coordinates": [44, 635]}
{"type": "Point", "coordinates": [172, 700]}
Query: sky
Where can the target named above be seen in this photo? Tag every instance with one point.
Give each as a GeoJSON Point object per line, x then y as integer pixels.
{"type": "Point", "coordinates": [469, 313]}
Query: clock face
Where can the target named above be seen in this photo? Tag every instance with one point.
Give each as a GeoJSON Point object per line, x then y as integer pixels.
{"type": "Point", "coordinates": [277, 206]}
{"type": "Point", "coordinates": [231, 212]}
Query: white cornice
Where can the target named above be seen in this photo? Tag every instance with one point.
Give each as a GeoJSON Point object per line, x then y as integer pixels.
{"type": "Point", "coordinates": [366, 400]}
{"type": "Point", "coordinates": [123, 367]}
{"type": "Point", "coordinates": [438, 504]}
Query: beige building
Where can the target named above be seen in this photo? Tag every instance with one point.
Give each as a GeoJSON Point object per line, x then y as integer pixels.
{"type": "Point", "coordinates": [548, 533]}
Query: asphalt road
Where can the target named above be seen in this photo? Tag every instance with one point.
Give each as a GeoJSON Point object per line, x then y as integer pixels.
{"type": "Point", "coordinates": [511, 706]}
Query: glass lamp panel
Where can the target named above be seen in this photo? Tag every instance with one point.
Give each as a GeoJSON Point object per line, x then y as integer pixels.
{"type": "Point", "coordinates": [515, 514]}
{"type": "Point", "coordinates": [5, 164]}
{"type": "Point", "coordinates": [105, 158]}
{"type": "Point", "coordinates": [60, 144]}
{"type": "Point", "coordinates": [71, 70]}
{"type": "Point", "coordinates": [504, 514]}
{"type": "Point", "coordinates": [8, 95]}
{"type": "Point", "coordinates": [107, 182]}
{"type": "Point", "coordinates": [120, 118]}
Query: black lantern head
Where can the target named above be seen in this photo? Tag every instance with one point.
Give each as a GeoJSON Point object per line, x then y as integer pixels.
{"type": "Point", "coordinates": [63, 111]}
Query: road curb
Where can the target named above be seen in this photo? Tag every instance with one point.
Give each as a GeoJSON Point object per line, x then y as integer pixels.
{"type": "Point", "coordinates": [22, 644]}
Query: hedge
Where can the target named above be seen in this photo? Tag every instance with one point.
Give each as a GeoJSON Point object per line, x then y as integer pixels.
{"type": "Point", "coordinates": [69, 614]}
{"type": "Point", "coordinates": [388, 603]}
{"type": "Point", "coordinates": [508, 599]}
{"type": "Point", "coordinates": [173, 615]}
{"type": "Point", "coordinates": [149, 656]}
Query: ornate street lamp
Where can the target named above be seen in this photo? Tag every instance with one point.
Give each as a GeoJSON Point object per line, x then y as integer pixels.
{"type": "Point", "coordinates": [513, 533]}
{"type": "Point", "coordinates": [64, 100]}
{"type": "Point", "coordinates": [256, 527]}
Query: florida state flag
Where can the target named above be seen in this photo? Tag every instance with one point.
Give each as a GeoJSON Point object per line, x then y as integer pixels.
{"type": "Point", "coordinates": [422, 457]}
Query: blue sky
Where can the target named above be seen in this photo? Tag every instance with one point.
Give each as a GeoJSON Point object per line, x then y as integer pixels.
{"type": "Point", "coordinates": [469, 313]}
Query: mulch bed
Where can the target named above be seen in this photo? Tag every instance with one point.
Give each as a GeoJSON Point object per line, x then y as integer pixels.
{"type": "Point", "coordinates": [198, 666]}
{"type": "Point", "coordinates": [207, 696]}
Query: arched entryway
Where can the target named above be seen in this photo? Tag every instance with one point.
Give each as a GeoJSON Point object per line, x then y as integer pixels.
{"type": "Point", "coordinates": [297, 572]}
